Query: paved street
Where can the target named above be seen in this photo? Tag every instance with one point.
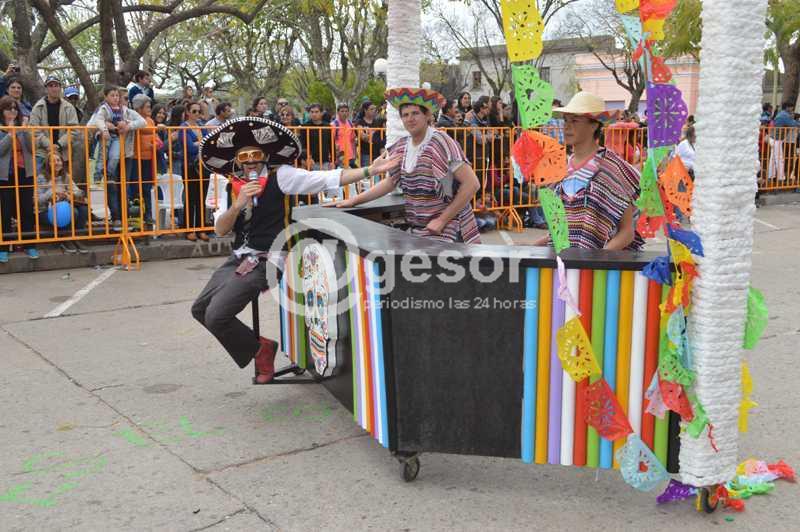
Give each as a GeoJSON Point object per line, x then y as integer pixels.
{"type": "Point", "coordinates": [120, 412]}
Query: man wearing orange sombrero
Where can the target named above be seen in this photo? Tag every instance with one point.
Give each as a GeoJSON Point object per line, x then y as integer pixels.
{"type": "Point", "coordinates": [437, 181]}
{"type": "Point", "coordinates": [257, 154]}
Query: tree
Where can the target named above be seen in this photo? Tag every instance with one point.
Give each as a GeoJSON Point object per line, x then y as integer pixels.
{"type": "Point", "coordinates": [39, 31]}
{"type": "Point", "coordinates": [599, 19]}
{"type": "Point", "coordinates": [341, 40]}
{"type": "Point", "coordinates": [683, 30]}
{"type": "Point", "coordinates": [783, 21]}
{"type": "Point", "coordinates": [477, 39]}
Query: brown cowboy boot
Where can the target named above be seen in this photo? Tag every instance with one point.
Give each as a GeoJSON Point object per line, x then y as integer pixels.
{"type": "Point", "coordinates": [265, 360]}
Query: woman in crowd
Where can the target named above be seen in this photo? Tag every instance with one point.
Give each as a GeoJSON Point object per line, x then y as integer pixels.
{"type": "Point", "coordinates": [370, 138]}
{"type": "Point", "coordinates": [464, 103]}
{"type": "Point", "coordinates": [16, 177]}
{"type": "Point", "coordinates": [287, 117]}
{"type": "Point", "coordinates": [160, 118]}
{"type": "Point", "coordinates": [190, 138]}
{"type": "Point", "coordinates": [115, 122]}
{"type": "Point", "coordinates": [261, 107]}
{"type": "Point", "coordinates": [600, 187]}
{"type": "Point", "coordinates": [140, 181]}
{"type": "Point", "coordinates": [175, 158]}
{"type": "Point", "coordinates": [14, 89]}
{"type": "Point", "coordinates": [53, 186]}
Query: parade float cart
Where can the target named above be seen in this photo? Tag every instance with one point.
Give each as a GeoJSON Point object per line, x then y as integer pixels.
{"type": "Point", "coordinates": [469, 365]}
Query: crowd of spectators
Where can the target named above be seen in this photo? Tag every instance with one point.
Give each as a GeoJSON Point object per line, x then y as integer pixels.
{"type": "Point", "coordinates": [162, 138]}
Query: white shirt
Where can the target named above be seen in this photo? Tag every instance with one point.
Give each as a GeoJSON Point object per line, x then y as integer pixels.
{"type": "Point", "coordinates": [294, 181]}
{"type": "Point", "coordinates": [413, 151]}
{"type": "Point", "coordinates": [686, 153]}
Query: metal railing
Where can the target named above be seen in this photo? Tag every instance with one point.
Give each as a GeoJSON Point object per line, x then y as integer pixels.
{"type": "Point", "coordinates": [149, 183]}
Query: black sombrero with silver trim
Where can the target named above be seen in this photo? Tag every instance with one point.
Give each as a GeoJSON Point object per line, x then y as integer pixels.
{"type": "Point", "coordinates": [218, 149]}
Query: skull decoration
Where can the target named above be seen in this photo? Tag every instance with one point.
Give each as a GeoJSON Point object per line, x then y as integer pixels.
{"type": "Point", "coordinates": [321, 298]}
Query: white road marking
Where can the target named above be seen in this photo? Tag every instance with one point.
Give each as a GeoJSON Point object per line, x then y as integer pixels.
{"type": "Point", "coordinates": [767, 224]}
{"type": "Point", "coordinates": [80, 294]}
{"type": "Point", "coordinates": [506, 238]}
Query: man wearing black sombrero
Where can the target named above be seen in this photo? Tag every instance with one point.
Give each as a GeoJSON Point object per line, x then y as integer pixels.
{"type": "Point", "coordinates": [258, 155]}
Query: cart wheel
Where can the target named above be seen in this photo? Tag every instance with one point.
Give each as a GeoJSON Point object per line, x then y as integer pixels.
{"type": "Point", "coordinates": [410, 468]}
{"type": "Point", "coordinates": [709, 500]}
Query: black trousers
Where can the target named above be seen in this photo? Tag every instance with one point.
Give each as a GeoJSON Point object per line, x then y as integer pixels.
{"type": "Point", "coordinates": [196, 196]}
{"type": "Point", "coordinates": [8, 207]}
{"type": "Point", "coordinates": [225, 296]}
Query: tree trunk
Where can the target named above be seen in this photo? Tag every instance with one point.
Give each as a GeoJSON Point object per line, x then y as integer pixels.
{"type": "Point", "coordinates": [636, 97]}
{"type": "Point", "coordinates": [107, 41]}
{"type": "Point", "coordinates": [405, 51]}
{"type": "Point", "coordinates": [723, 210]}
{"type": "Point", "coordinates": [791, 73]}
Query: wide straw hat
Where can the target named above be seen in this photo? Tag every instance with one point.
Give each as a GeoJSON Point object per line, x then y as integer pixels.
{"type": "Point", "coordinates": [587, 104]}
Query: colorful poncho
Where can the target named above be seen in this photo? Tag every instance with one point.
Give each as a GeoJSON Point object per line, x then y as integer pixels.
{"type": "Point", "coordinates": [594, 213]}
{"type": "Point", "coordinates": [429, 188]}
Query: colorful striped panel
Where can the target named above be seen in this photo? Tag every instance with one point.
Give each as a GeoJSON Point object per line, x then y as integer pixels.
{"type": "Point", "coordinates": [529, 369]}
{"type": "Point", "coordinates": [369, 374]}
{"type": "Point", "coordinates": [619, 311]}
{"type": "Point", "coordinates": [293, 328]}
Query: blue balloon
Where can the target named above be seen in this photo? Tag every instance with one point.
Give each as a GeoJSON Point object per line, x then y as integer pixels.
{"type": "Point", "coordinates": [62, 216]}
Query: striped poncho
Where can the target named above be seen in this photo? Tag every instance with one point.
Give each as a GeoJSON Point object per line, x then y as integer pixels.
{"type": "Point", "coordinates": [430, 187]}
{"type": "Point", "coordinates": [595, 212]}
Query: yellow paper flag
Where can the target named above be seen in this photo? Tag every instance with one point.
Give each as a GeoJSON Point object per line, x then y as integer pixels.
{"type": "Point", "coordinates": [623, 6]}
{"type": "Point", "coordinates": [747, 403]}
{"type": "Point", "coordinates": [575, 351]}
{"type": "Point", "coordinates": [523, 27]}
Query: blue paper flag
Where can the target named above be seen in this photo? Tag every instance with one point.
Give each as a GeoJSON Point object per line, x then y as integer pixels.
{"type": "Point", "coordinates": [689, 239]}
{"type": "Point", "coordinates": [659, 271]}
{"type": "Point", "coordinates": [640, 468]}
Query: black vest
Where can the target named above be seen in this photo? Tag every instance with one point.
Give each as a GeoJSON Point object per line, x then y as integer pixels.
{"type": "Point", "coordinates": [270, 217]}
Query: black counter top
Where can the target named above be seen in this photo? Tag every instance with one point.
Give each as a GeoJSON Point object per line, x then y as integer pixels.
{"type": "Point", "coordinates": [383, 241]}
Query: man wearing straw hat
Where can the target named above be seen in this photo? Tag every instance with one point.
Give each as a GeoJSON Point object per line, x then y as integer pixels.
{"type": "Point", "coordinates": [436, 179]}
{"type": "Point", "coordinates": [258, 154]}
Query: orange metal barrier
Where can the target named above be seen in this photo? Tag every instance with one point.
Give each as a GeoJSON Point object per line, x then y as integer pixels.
{"type": "Point", "coordinates": [779, 159]}
{"type": "Point", "coordinates": [156, 187]}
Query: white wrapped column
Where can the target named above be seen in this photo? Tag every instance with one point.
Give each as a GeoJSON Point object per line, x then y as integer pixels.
{"type": "Point", "coordinates": [729, 101]}
{"type": "Point", "coordinates": [405, 52]}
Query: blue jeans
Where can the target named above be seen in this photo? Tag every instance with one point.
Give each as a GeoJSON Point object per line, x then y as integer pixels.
{"type": "Point", "coordinates": [110, 157]}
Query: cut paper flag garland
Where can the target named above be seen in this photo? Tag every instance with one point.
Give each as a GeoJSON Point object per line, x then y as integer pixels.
{"type": "Point", "coordinates": [676, 491]}
{"type": "Point", "coordinates": [675, 178]}
{"type": "Point", "coordinates": [656, 8]}
{"type": "Point", "coordinates": [604, 413]}
{"type": "Point", "coordinates": [527, 153]}
{"type": "Point", "coordinates": [666, 112]}
{"type": "Point", "coordinates": [639, 466]}
{"type": "Point", "coordinates": [688, 238]}
{"type": "Point", "coordinates": [633, 29]}
{"type": "Point", "coordinates": [523, 27]}
{"type": "Point", "coordinates": [575, 351]}
{"type": "Point", "coordinates": [654, 28]}
{"type": "Point", "coordinates": [556, 217]}
{"type": "Point", "coordinates": [757, 318]}
{"type": "Point", "coordinates": [540, 157]}
{"type": "Point", "coordinates": [655, 403]}
{"type": "Point", "coordinates": [563, 288]}
{"type": "Point", "coordinates": [623, 6]}
{"type": "Point", "coordinates": [747, 402]}
{"type": "Point", "coordinates": [534, 96]}
{"type": "Point", "coordinates": [659, 270]}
